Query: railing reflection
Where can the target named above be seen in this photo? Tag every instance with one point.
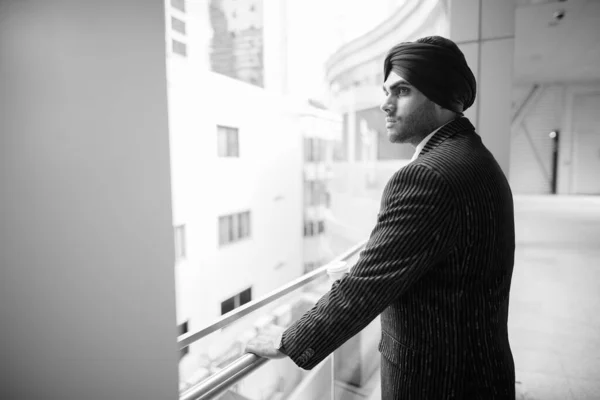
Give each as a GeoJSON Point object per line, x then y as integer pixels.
{"type": "Point", "coordinates": [224, 370]}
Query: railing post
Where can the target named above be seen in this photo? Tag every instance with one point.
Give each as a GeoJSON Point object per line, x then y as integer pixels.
{"type": "Point", "coordinates": [219, 382]}
{"type": "Point", "coordinates": [335, 271]}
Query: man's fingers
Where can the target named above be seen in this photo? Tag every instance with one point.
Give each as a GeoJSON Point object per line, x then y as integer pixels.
{"type": "Point", "coordinates": [263, 348]}
{"type": "Point", "coordinates": [256, 347]}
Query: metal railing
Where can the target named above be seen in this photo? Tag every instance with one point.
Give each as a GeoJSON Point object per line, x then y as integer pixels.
{"type": "Point", "coordinates": [232, 373]}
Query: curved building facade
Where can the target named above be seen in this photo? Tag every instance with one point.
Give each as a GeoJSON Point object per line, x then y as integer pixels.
{"type": "Point", "coordinates": [355, 75]}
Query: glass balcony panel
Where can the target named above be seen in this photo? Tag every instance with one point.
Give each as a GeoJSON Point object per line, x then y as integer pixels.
{"type": "Point", "coordinates": [217, 350]}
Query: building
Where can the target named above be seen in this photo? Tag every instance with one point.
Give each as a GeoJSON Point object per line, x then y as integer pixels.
{"type": "Point", "coordinates": [320, 128]}
{"type": "Point", "coordinates": [249, 174]}
{"type": "Point", "coordinates": [237, 214]}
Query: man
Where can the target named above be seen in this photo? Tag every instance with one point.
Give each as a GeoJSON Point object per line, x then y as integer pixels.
{"type": "Point", "coordinates": [439, 262]}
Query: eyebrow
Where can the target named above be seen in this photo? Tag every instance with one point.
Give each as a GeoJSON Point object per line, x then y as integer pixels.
{"type": "Point", "coordinates": [401, 82]}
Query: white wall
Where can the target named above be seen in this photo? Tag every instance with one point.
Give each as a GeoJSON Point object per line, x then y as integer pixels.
{"type": "Point", "coordinates": [87, 288]}
{"type": "Point", "coordinates": [266, 180]}
{"type": "Point", "coordinates": [550, 108]}
{"type": "Point", "coordinates": [531, 147]}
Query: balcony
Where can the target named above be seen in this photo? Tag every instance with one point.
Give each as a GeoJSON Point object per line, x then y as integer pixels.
{"type": "Point", "coordinates": [226, 374]}
{"type": "Point", "coordinates": [552, 324]}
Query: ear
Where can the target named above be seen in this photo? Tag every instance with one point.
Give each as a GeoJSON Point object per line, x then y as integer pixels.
{"type": "Point", "coordinates": [439, 110]}
{"type": "Point", "coordinates": [444, 113]}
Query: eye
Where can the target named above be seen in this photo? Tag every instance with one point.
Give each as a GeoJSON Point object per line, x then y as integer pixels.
{"type": "Point", "coordinates": [401, 91]}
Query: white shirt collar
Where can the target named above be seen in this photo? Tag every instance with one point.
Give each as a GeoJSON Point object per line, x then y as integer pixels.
{"type": "Point", "coordinates": [421, 145]}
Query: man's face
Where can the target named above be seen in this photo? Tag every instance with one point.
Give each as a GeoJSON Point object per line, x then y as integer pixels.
{"type": "Point", "coordinates": [410, 115]}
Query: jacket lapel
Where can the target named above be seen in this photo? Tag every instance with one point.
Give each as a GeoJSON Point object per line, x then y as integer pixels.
{"type": "Point", "coordinates": [450, 129]}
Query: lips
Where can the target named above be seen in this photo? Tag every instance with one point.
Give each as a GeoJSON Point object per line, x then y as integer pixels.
{"type": "Point", "coordinates": [389, 122]}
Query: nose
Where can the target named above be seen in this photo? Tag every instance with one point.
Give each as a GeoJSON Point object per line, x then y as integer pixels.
{"type": "Point", "coordinates": [386, 107]}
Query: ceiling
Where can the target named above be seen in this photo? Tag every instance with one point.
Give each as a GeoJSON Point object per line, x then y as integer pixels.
{"type": "Point", "coordinates": [552, 50]}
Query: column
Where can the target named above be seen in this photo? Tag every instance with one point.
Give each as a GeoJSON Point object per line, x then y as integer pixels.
{"type": "Point", "coordinates": [86, 239]}
{"type": "Point", "coordinates": [484, 30]}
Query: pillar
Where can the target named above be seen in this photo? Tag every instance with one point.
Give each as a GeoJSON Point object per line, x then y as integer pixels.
{"type": "Point", "coordinates": [87, 302]}
{"type": "Point", "coordinates": [484, 30]}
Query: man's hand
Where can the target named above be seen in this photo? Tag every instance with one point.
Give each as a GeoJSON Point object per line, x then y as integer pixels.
{"type": "Point", "coordinates": [265, 344]}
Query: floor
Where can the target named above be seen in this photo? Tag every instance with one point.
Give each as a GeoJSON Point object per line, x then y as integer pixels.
{"type": "Point", "coordinates": [554, 318]}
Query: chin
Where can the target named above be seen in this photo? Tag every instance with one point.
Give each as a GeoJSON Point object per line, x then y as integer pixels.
{"type": "Point", "coordinates": [394, 137]}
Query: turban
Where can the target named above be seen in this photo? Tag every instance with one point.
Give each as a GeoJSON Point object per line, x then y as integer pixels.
{"type": "Point", "coordinates": [439, 72]}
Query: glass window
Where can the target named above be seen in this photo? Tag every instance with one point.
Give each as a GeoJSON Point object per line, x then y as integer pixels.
{"type": "Point", "coordinates": [178, 4]}
{"type": "Point", "coordinates": [180, 242]}
{"type": "Point", "coordinates": [307, 150]}
{"type": "Point", "coordinates": [246, 296]}
{"type": "Point", "coordinates": [182, 329]}
{"type": "Point", "coordinates": [228, 305]}
{"type": "Point", "coordinates": [321, 226]}
{"type": "Point", "coordinates": [232, 143]}
{"type": "Point", "coordinates": [228, 226]}
{"type": "Point", "coordinates": [178, 25]}
{"type": "Point", "coordinates": [223, 230]}
{"type": "Point", "coordinates": [245, 224]}
{"type": "Point", "coordinates": [238, 300]}
{"type": "Point", "coordinates": [179, 47]}
{"type": "Point", "coordinates": [227, 141]}
{"type": "Point", "coordinates": [222, 141]}
{"type": "Point", "coordinates": [234, 227]}
{"type": "Point", "coordinates": [316, 150]}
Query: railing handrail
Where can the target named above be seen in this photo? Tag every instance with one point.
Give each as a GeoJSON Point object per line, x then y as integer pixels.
{"type": "Point", "coordinates": [232, 373]}
{"type": "Point", "coordinates": [188, 338]}
{"type": "Point", "coordinates": [221, 381]}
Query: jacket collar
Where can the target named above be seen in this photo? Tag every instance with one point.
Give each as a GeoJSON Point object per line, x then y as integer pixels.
{"type": "Point", "coordinates": [450, 129]}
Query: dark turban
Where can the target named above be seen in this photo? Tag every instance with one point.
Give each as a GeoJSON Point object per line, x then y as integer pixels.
{"type": "Point", "coordinates": [440, 73]}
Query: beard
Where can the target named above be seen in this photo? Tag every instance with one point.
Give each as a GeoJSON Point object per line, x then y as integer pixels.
{"type": "Point", "coordinates": [415, 126]}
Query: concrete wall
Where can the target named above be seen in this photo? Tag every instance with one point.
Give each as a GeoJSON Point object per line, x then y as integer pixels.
{"type": "Point", "coordinates": [86, 278]}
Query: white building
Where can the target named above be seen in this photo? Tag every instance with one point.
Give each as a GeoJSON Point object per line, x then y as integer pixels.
{"type": "Point", "coordinates": [238, 174]}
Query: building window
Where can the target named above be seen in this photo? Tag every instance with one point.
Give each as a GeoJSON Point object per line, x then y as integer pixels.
{"type": "Point", "coordinates": [321, 226]}
{"type": "Point", "coordinates": [340, 150]}
{"type": "Point", "coordinates": [182, 329]}
{"type": "Point", "coordinates": [318, 150]}
{"type": "Point", "coordinates": [313, 228]}
{"type": "Point", "coordinates": [236, 301]}
{"type": "Point", "coordinates": [307, 149]}
{"type": "Point", "coordinates": [315, 193]}
{"type": "Point", "coordinates": [179, 47]}
{"type": "Point", "coordinates": [234, 227]}
{"type": "Point", "coordinates": [178, 25]}
{"type": "Point", "coordinates": [178, 4]}
{"type": "Point", "coordinates": [314, 150]}
{"type": "Point", "coordinates": [228, 141]}
{"type": "Point", "coordinates": [180, 248]}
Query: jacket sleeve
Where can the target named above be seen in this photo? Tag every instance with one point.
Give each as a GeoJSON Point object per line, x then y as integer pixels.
{"type": "Point", "coordinates": [414, 230]}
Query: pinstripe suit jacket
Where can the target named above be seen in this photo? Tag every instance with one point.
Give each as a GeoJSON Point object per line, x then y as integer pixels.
{"type": "Point", "coordinates": [438, 268]}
